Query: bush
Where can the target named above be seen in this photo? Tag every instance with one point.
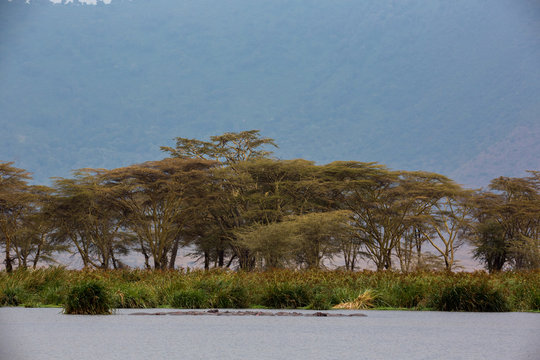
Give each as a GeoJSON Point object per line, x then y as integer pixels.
{"type": "Point", "coordinates": [189, 299]}
{"type": "Point", "coordinates": [13, 296]}
{"type": "Point", "coordinates": [534, 300]}
{"type": "Point", "coordinates": [165, 292]}
{"type": "Point", "coordinates": [403, 295]}
{"type": "Point", "coordinates": [517, 291]}
{"type": "Point", "coordinates": [134, 296]}
{"type": "Point", "coordinates": [88, 298]}
{"type": "Point", "coordinates": [343, 294]}
{"type": "Point", "coordinates": [53, 295]}
{"type": "Point", "coordinates": [37, 280]}
{"type": "Point", "coordinates": [232, 296]}
{"type": "Point", "coordinates": [285, 295]}
{"type": "Point", "coordinates": [320, 301]}
{"type": "Point", "coordinates": [522, 296]}
{"type": "Point", "coordinates": [130, 276]}
{"type": "Point", "coordinates": [470, 297]}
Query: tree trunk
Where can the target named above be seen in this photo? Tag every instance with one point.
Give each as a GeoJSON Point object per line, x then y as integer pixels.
{"type": "Point", "coordinates": [206, 260]}
{"type": "Point", "coordinates": [388, 260]}
{"type": "Point", "coordinates": [221, 258]}
{"type": "Point", "coordinates": [146, 257]}
{"type": "Point", "coordinates": [38, 251]}
{"type": "Point", "coordinates": [9, 266]}
{"type": "Point", "coordinates": [174, 253]}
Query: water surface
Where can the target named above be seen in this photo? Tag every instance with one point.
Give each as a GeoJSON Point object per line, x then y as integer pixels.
{"type": "Point", "coordinates": [48, 334]}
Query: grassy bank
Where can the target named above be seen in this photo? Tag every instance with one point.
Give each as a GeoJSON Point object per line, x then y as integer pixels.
{"type": "Point", "coordinates": [279, 289]}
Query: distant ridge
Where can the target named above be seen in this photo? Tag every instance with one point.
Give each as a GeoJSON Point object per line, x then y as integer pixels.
{"type": "Point", "coordinates": [449, 87]}
{"type": "Point", "coordinates": [511, 156]}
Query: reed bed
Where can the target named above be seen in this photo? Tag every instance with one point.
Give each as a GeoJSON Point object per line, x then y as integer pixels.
{"type": "Point", "coordinates": [321, 290]}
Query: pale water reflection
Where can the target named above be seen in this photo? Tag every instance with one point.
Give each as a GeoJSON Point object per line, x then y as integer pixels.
{"type": "Point", "coordinates": [47, 334]}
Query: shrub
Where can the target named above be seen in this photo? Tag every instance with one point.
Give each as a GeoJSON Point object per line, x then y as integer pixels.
{"type": "Point", "coordinates": [534, 300]}
{"type": "Point", "coordinates": [134, 296]}
{"type": "Point", "coordinates": [404, 295]}
{"type": "Point", "coordinates": [13, 296]}
{"type": "Point", "coordinates": [232, 296]}
{"type": "Point", "coordinates": [522, 296]}
{"type": "Point", "coordinates": [285, 295]}
{"type": "Point", "coordinates": [53, 295]}
{"type": "Point", "coordinates": [165, 292]}
{"type": "Point", "coordinates": [189, 299]}
{"type": "Point", "coordinates": [320, 301]}
{"type": "Point", "coordinates": [470, 297]}
{"type": "Point", "coordinates": [88, 298]}
{"type": "Point", "coordinates": [130, 276]}
{"type": "Point", "coordinates": [517, 291]}
{"type": "Point", "coordinates": [343, 294]}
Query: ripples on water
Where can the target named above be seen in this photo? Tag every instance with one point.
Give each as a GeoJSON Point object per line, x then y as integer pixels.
{"type": "Point", "coordinates": [47, 334]}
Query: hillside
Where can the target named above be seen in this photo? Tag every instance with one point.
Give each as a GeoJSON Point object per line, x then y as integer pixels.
{"type": "Point", "coordinates": [450, 87]}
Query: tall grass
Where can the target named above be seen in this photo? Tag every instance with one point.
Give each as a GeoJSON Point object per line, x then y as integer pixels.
{"type": "Point", "coordinates": [88, 298]}
{"type": "Point", "coordinates": [279, 289]}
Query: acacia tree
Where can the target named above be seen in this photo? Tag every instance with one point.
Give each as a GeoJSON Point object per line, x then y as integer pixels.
{"type": "Point", "coordinates": [228, 149]}
{"type": "Point", "coordinates": [508, 223]}
{"type": "Point", "coordinates": [158, 198]}
{"type": "Point", "coordinates": [33, 241]}
{"type": "Point", "coordinates": [305, 240]}
{"type": "Point", "coordinates": [384, 204]}
{"type": "Point", "coordinates": [15, 199]}
{"type": "Point", "coordinates": [409, 249]}
{"type": "Point", "coordinates": [486, 234]}
{"type": "Point", "coordinates": [343, 185]}
{"type": "Point", "coordinates": [85, 213]}
{"type": "Point", "coordinates": [519, 215]}
{"type": "Point", "coordinates": [231, 198]}
{"type": "Point", "coordinates": [274, 245]}
{"type": "Point", "coordinates": [450, 216]}
{"type": "Point", "coordinates": [379, 212]}
{"type": "Point", "coordinates": [278, 189]}
{"type": "Point", "coordinates": [321, 237]}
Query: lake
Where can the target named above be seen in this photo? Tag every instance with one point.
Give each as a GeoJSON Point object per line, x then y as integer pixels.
{"type": "Point", "coordinates": [48, 334]}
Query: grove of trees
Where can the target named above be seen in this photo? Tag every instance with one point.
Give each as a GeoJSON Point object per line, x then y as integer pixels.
{"type": "Point", "coordinates": [231, 205]}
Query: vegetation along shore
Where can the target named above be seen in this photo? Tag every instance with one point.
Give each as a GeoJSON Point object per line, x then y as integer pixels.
{"type": "Point", "coordinates": [266, 231]}
{"type": "Point", "coordinates": [278, 289]}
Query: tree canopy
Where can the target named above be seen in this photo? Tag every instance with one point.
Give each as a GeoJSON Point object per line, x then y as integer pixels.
{"type": "Point", "coordinates": [229, 204]}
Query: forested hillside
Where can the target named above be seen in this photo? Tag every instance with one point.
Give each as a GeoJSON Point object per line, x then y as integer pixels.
{"type": "Point", "coordinates": [434, 85]}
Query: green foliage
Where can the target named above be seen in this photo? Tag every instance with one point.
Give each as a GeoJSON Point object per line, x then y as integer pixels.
{"type": "Point", "coordinates": [232, 296]}
{"type": "Point", "coordinates": [522, 293]}
{"type": "Point", "coordinates": [134, 296]}
{"type": "Point", "coordinates": [320, 301]}
{"type": "Point", "coordinates": [254, 213]}
{"type": "Point", "coordinates": [13, 296]}
{"type": "Point", "coordinates": [43, 278]}
{"type": "Point", "coordinates": [403, 295]}
{"type": "Point", "coordinates": [285, 296]}
{"type": "Point", "coordinates": [130, 276]}
{"type": "Point", "coordinates": [343, 294]}
{"type": "Point", "coordinates": [53, 295]}
{"type": "Point", "coordinates": [88, 298]}
{"type": "Point", "coordinates": [222, 292]}
{"type": "Point", "coordinates": [190, 299]}
{"type": "Point", "coordinates": [480, 291]}
{"type": "Point", "coordinates": [534, 300]}
{"type": "Point", "coordinates": [470, 296]}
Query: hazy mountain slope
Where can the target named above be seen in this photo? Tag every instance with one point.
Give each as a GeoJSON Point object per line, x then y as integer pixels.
{"type": "Point", "coordinates": [412, 84]}
{"type": "Point", "coordinates": [504, 158]}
